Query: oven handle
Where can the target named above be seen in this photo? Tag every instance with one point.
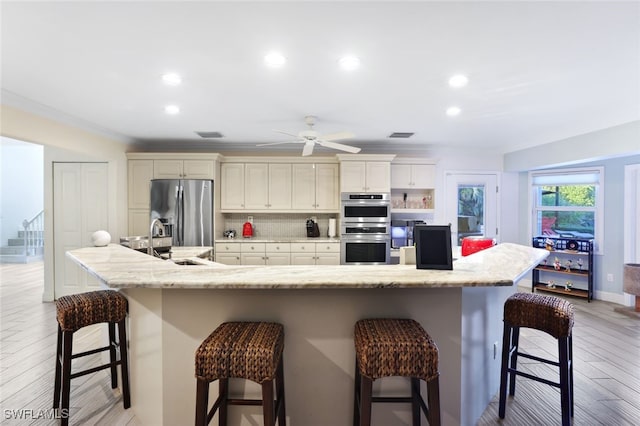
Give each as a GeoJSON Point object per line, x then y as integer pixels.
{"type": "Point", "coordinates": [365, 238]}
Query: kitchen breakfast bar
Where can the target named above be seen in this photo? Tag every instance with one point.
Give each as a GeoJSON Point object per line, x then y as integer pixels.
{"type": "Point", "coordinates": [173, 308]}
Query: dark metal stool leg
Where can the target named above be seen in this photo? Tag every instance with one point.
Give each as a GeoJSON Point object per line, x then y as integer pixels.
{"type": "Point", "coordinates": [366, 387]}
{"type": "Point", "coordinates": [515, 342]}
{"type": "Point", "coordinates": [267, 403]}
{"type": "Point", "coordinates": [112, 354]}
{"type": "Point", "coordinates": [565, 392]}
{"type": "Point", "coordinates": [281, 409]}
{"type": "Point", "coordinates": [433, 395]}
{"type": "Point", "coordinates": [356, 397]}
{"type": "Point", "coordinates": [571, 372]}
{"type": "Point", "coordinates": [124, 363]}
{"type": "Point", "coordinates": [415, 401]}
{"type": "Point", "coordinates": [506, 348]}
{"type": "Point", "coordinates": [202, 402]}
{"type": "Point", "coordinates": [223, 394]}
{"type": "Point", "coordinates": [58, 378]}
{"type": "Point", "coordinates": [67, 348]}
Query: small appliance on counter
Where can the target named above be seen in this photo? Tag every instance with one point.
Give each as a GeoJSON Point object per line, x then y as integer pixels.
{"type": "Point", "coordinates": [230, 233]}
{"type": "Point", "coordinates": [331, 231]}
{"type": "Point", "coordinates": [312, 228]}
{"type": "Point", "coordinates": [247, 230]}
{"type": "Point", "coordinates": [402, 232]}
{"type": "Point", "coordinates": [472, 245]}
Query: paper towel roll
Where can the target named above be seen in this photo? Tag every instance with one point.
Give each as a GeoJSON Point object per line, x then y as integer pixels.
{"type": "Point", "coordinates": [332, 228]}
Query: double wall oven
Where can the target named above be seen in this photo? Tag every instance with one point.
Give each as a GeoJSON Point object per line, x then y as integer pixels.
{"type": "Point", "coordinates": [365, 230]}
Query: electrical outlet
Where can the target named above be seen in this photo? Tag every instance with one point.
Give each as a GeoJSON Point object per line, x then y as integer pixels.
{"type": "Point", "coordinates": [495, 350]}
{"type": "Point", "coordinates": [250, 219]}
{"type": "Point", "coordinates": [610, 278]}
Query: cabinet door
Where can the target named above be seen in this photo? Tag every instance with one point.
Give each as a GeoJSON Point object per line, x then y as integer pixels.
{"type": "Point", "coordinates": [252, 258]}
{"type": "Point", "coordinates": [303, 259]}
{"type": "Point", "coordinates": [423, 176]}
{"type": "Point", "coordinates": [279, 186]}
{"type": "Point", "coordinates": [198, 169]}
{"type": "Point", "coordinates": [401, 176]}
{"type": "Point", "coordinates": [256, 186]}
{"type": "Point", "coordinates": [138, 183]}
{"type": "Point", "coordinates": [328, 259]}
{"type": "Point", "coordinates": [232, 186]}
{"type": "Point", "coordinates": [228, 258]}
{"type": "Point", "coordinates": [327, 188]}
{"type": "Point", "coordinates": [303, 187]}
{"type": "Point", "coordinates": [353, 176]}
{"type": "Point", "coordinates": [167, 169]}
{"type": "Point", "coordinates": [138, 222]}
{"type": "Point", "coordinates": [378, 176]}
{"type": "Point", "coordinates": [278, 259]}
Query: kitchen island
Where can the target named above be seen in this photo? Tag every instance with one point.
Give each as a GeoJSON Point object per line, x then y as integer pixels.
{"type": "Point", "coordinates": [174, 307]}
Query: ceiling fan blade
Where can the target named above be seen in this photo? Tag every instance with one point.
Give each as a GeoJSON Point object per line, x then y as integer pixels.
{"type": "Point", "coordinates": [308, 148]}
{"type": "Point", "coordinates": [285, 133]}
{"type": "Point", "coordinates": [337, 136]}
{"type": "Point", "coordinates": [278, 143]}
{"type": "Point", "coordinates": [340, 146]}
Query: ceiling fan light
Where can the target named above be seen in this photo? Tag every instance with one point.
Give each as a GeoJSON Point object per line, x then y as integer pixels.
{"type": "Point", "coordinates": [349, 63]}
{"type": "Point", "coordinates": [274, 60]}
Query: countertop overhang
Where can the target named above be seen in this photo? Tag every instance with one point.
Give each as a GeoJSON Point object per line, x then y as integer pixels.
{"type": "Point", "coordinates": [119, 267]}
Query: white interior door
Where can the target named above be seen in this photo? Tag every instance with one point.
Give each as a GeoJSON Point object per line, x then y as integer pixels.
{"type": "Point", "coordinates": [472, 205]}
{"type": "Point", "coordinates": [80, 201]}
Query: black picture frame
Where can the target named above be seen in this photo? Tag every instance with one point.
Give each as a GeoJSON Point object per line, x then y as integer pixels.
{"type": "Point", "coordinates": [433, 247]}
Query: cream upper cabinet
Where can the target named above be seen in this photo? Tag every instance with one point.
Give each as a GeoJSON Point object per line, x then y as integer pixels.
{"type": "Point", "coordinates": [315, 187]}
{"type": "Point", "coordinates": [421, 176]}
{"type": "Point", "coordinates": [256, 186]}
{"type": "Point", "coordinates": [267, 186]}
{"type": "Point", "coordinates": [365, 176]}
{"type": "Point", "coordinates": [183, 169]}
{"type": "Point", "coordinates": [279, 186]}
{"type": "Point", "coordinates": [232, 186]}
{"type": "Point", "coordinates": [140, 175]}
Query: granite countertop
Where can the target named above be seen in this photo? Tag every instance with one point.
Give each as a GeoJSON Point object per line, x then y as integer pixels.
{"type": "Point", "coordinates": [120, 267]}
{"type": "Point", "coordinates": [278, 240]}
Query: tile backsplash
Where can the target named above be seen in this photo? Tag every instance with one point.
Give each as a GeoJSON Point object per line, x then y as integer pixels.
{"type": "Point", "coordinates": [279, 225]}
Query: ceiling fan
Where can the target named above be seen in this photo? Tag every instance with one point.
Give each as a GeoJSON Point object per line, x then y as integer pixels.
{"type": "Point", "coordinates": [310, 138]}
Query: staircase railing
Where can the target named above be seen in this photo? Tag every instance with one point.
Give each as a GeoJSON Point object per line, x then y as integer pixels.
{"type": "Point", "coordinates": [34, 235]}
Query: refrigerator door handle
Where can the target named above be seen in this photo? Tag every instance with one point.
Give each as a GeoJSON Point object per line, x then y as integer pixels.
{"type": "Point", "coordinates": [180, 214]}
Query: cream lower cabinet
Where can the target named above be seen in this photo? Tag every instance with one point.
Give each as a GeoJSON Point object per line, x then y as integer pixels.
{"type": "Point", "coordinates": [315, 253]}
{"type": "Point", "coordinates": [264, 254]}
{"type": "Point", "coordinates": [228, 253]}
{"type": "Point", "coordinates": [277, 253]}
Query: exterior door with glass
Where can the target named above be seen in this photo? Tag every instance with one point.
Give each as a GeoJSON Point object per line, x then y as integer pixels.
{"type": "Point", "coordinates": [472, 205]}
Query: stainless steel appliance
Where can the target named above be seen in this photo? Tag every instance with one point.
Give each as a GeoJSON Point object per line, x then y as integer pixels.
{"type": "Point", "coordinates": [185, 208]}
{"type": "Point", "coordinates": [357, 207]}
{"type": "Point", "coordinates": [365, 231]}
{"type": "Point", "coordinates": [402, 232]}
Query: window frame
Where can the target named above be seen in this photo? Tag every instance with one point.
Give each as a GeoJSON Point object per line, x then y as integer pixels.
{"type": "Point", "coordinates": [598, 209]}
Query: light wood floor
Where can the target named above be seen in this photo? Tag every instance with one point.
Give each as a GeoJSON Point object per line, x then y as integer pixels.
{"type": "Point", "coordinates": [606, 352]}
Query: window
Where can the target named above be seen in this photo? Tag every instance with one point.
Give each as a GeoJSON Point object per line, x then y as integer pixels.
{"type": "Point", "coordinates": [568, 203]}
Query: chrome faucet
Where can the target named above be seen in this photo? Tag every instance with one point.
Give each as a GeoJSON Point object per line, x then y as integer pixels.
{"type": "Point", "coordinates": [155, 222]}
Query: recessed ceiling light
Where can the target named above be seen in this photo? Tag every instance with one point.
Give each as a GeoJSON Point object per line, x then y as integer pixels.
{"type": "Point", "coordinates": [458, 80]}
{"type": "Point", "coordinates": [453, 111]}
{"type": "Point", "coordinates": [172, 109]}
{"type": "Point", "coordinates": [274, 60]}
{"type": "Point", "coordinates": [172, 79]}
{"type": "Point", "coordinates": [349, 63]}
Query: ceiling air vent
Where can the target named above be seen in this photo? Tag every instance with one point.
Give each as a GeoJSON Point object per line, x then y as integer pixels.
{"type": "Point", "coordinates": [404, 135]}
{"type": "Point", "coordinates": [210, 135]}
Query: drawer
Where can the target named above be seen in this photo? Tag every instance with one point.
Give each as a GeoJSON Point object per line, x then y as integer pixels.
{"type": "Point", "coordinates": [303, 247]}
{"type": "Point", "coordinates": [228, 247]}
{"type": "Point", "coordinates": [272, 248]}
{"type": "Point", "coordinates": [327, 247]}
{"type": "Point", "coordinates": [252, 247]}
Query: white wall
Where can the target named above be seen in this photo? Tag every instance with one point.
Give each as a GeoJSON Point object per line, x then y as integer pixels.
{"type": "Point", "coordinates": [64, 142]}
{"type": "Point", "coordinates": [21, 177]}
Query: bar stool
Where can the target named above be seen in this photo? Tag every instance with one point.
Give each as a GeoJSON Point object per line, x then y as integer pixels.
{"type": "Point", "coordinates": [395, 347]}
{"type": "Point", "coordinates": [545, 313]}
{"type": "Point", "coordinates": [74, 312]}
{"type": "Point", "coordinates": [246, 350]}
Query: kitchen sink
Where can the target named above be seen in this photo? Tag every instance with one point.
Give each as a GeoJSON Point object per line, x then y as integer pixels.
{"type": "Point", "coordinates": [139, 242]}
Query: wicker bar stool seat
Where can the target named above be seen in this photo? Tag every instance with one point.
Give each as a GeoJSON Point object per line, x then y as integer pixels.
{"type": "Point", "coordinates": [246, 350]}
{"type": "Point", "coordinates": [552, 315]}
{"type": "Point", "coordinates": [395, 347]}
{"type": "Point", "coordinates": [74, 312]}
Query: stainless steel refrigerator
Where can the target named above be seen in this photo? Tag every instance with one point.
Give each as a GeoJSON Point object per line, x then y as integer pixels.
{"type": "Point", "coordinates": [185, 207]}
